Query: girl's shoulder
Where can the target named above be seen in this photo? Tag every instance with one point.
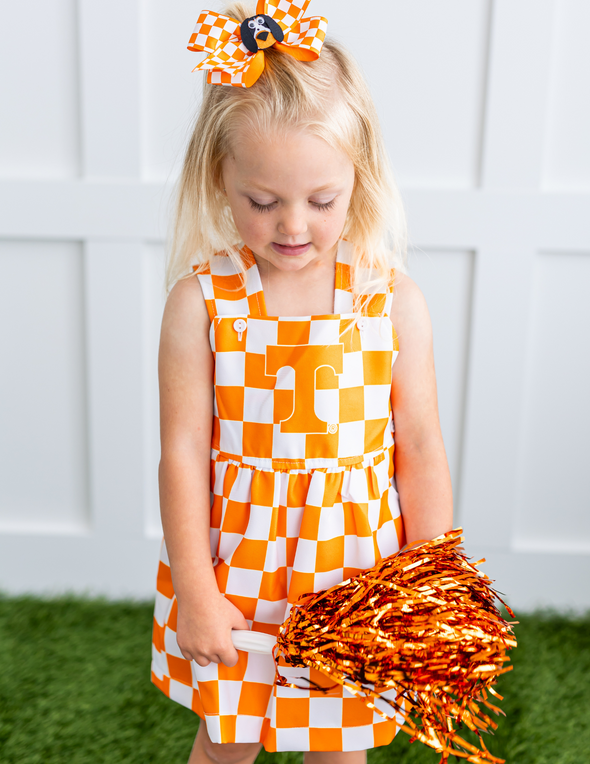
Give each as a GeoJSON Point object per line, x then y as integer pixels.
{"type": "Point", "coordinates": [185, 304]}
{"type": "Point", "coordinates": [409, 311]}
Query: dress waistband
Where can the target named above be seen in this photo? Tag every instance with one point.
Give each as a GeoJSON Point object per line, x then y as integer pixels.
{"type": "Point", "coordinates": [305, 465]}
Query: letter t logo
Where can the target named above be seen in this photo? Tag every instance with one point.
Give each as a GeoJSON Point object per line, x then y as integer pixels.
{"type": "Point", "coordinates": [305, 360]}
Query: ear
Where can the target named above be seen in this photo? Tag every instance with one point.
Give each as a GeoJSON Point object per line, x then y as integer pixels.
{"type": "Point", "coordinates": [275, 29]}
{"type": "Point", "coordinates": [248, 37]}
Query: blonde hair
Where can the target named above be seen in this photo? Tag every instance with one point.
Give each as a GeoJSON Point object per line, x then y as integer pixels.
{"type": "Point", "coordinates": [327, 97]}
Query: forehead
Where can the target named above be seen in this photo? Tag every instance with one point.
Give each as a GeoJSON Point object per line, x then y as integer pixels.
{"type": "Point", "coordinates": [292, 155]}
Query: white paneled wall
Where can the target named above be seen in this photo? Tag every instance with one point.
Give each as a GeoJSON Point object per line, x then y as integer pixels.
{"type": "Point", "coordinates": [39, 90]}
{"type": "Point", "coordinates": [170, 89]}
{"type": "Point", "coordinates": [43, 448]}
{"type": "Point", "coordinates": [485, 110]}
{"type": "Point", "coordinates": [446, 280]}
{"type": "Point", "coordinates": [555, 479]}
{"type": "Point", "coordinates": [434, 73]}
{"type": "Point", "coordinates": [154, 299]}
{"type": "Point", "coordinates": [566, 166]}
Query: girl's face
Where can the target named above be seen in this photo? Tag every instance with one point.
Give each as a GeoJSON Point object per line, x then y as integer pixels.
{"type": "Point", "coordinates": [289, 196]}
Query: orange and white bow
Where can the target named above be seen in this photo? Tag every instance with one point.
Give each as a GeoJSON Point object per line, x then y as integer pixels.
{"type": "Point", "coordinates": [236, 51]}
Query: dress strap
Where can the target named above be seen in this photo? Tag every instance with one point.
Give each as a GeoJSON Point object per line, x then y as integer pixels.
{"type": "Point", "coordinates": [377, 300]}
{"type": "Point", "coordinates": [227, 291]}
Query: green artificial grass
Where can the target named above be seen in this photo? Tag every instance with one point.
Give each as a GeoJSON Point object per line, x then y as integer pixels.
{"type": "Point", "coordinates": [74, 687]}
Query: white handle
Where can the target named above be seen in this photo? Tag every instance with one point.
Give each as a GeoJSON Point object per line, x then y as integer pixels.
{"type": "Point", "coordinates": [253, 641]}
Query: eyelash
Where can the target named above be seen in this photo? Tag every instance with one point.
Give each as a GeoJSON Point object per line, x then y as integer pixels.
{"type": "Point", "coordinates": [269, 207]}
{"type": "Point", "coordinates": [261, 207]}
{"type": "Point", "coordinates": [325, 207]}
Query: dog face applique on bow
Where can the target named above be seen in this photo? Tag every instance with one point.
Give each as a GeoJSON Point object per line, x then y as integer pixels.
{"type": "Point", "coordinates": [236, 51]}
{"type": "Point", "coordinates": [260, 33]}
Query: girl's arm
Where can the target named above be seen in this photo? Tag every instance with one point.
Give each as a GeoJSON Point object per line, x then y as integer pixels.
{"type": "Point", "coordinates": [205, 617]}
{"type": "Point", "coordinates": [421, 469]}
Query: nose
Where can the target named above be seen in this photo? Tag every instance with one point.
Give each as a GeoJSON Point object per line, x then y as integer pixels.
{"type": "Point", "coordinates": [292, 221]}
{"type": "Point", "coordinates": [262, 36]}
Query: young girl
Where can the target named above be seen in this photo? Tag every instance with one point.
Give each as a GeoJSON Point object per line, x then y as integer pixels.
{"type": "Point", "coordinates": [279, 394]}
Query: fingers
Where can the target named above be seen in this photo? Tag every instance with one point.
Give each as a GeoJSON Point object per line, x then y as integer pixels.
{"type": "Point", "coordinates": [228, 656]}
{"type": "Point", "coordinates": [202, 661]}
{"type": "Point", "coordinates": [194, 656]}
{"type": "Point", "coordinates": [205, 637]}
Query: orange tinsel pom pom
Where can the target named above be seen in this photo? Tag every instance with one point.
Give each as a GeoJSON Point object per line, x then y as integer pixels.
{"type": "Point", "coordinates": [421, 632]}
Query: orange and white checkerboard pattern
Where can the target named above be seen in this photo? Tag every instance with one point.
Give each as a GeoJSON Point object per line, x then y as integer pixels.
{"type": "Point", "coordinates": [228, 58]}
{"type": "Point", "coordinates": [230, 63]}
{"type": "Point", "coordinates": [303, 497]}
{"type": "Point", "coordinates": [300, 32]}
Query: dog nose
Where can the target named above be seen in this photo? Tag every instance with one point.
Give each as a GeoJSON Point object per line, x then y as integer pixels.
{"type": "Point", "coordinates": [262, 36]}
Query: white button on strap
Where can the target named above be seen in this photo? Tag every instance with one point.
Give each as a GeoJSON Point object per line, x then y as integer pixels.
{"type": "Point", "coordinates": [240, 327]}
{"type": "Point", "coordinates": [362, 324]}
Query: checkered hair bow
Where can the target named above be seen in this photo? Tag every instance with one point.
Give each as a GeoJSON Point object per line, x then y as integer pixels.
{"type": "Point", "coordinates": [236, 51]}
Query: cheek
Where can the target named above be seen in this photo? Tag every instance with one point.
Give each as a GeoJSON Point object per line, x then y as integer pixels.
{"type": "Point", "coordinates": [333, 225]}
{"type": "Point", "coordinates": [250, 223]}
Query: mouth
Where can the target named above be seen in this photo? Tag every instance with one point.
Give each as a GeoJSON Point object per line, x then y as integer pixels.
{"type": "Point", "coordinates": [291, 250]}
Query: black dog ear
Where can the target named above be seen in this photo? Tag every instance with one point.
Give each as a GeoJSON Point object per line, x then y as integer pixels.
{"type": "Point", "coordinates": [248, 37]}
{"type": "Point", "coordinates": [275, 29]}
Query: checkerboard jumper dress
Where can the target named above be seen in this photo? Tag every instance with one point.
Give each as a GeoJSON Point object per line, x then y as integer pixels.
{"type": "Point", "coordinates": [302, 498]}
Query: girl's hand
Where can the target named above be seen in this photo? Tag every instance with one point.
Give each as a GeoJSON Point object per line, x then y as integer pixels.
{"type": "Point", "coordinates": [204, 631]}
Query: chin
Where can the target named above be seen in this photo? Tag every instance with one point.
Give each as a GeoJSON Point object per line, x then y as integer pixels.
{"type": "Point", "coordinates": [290, 263]}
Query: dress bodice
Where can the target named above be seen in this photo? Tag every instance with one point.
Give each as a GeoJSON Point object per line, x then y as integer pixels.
{"type": "Point", "coordinates": [298, 392]}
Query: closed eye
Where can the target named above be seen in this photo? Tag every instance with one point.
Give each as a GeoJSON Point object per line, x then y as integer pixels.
{"type": "Point", "coordinates": [261, 207]}
{"type": "Point", "coordinates": [325, 206]}
{"type": "Point", "coordinates": [322, 207]}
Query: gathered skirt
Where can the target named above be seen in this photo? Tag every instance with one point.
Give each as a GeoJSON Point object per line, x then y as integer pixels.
{"type": "Point", "coordinates": [276, 535]}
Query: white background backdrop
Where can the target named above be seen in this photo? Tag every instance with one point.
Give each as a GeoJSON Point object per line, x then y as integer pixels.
{"type": "Point", "coordinates": [486, 110]}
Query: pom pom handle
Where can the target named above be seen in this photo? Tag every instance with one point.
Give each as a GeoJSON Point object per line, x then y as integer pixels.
{"type": "Point", "coordinates": [253, 641]}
